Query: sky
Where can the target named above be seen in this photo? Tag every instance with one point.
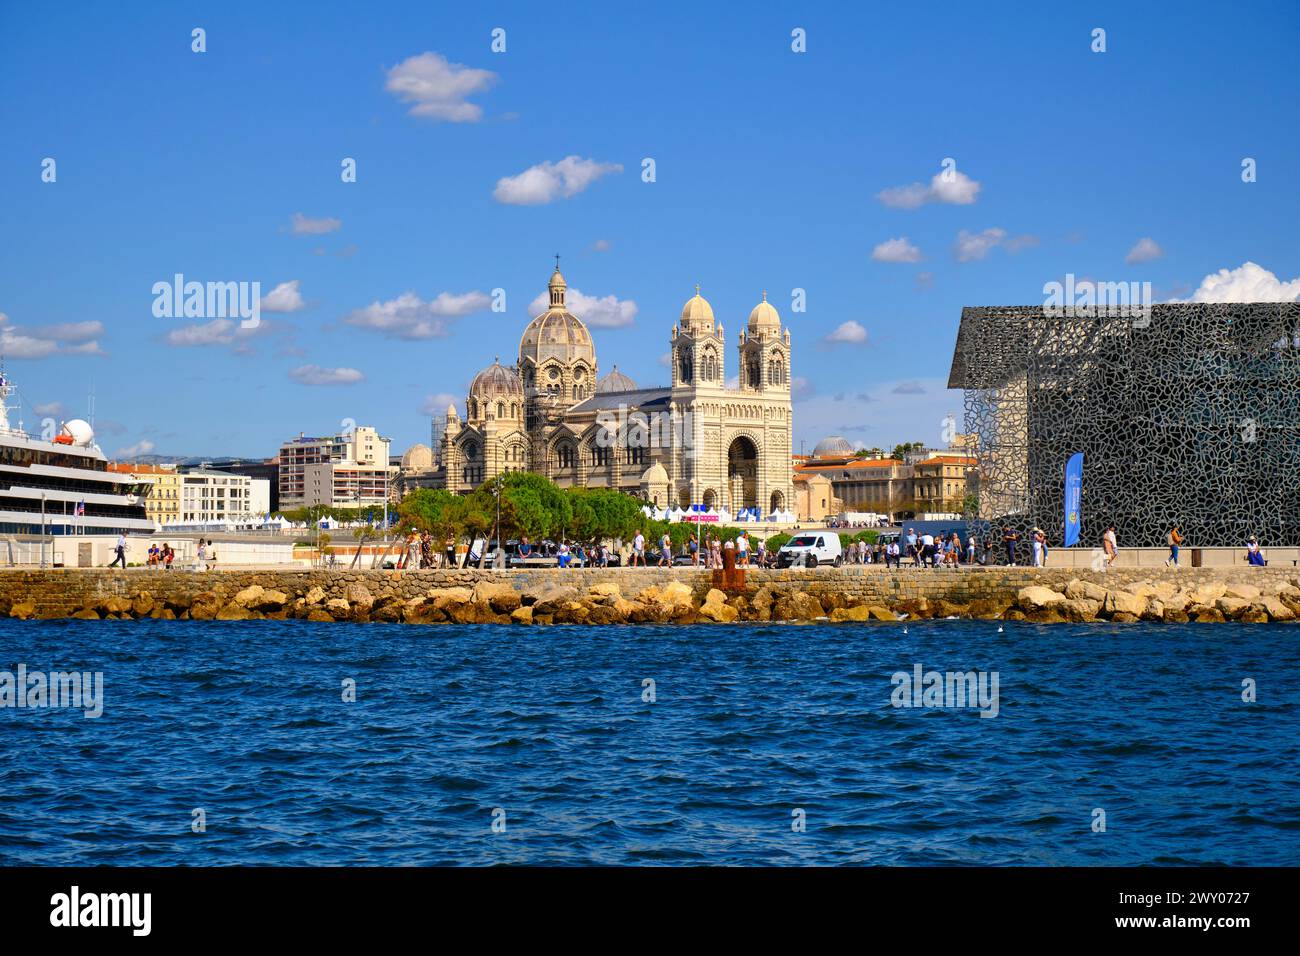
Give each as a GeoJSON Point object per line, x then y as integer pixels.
{"type": "Point", "coordinates": [904, 163]}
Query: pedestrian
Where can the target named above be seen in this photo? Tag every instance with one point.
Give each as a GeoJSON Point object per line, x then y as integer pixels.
{"type": "Point", "coordinates": [666, 551]}
{"type": "Point", "coordinates": [970, 550]}
{"type": "Point", "coordinates": [742, 550]}
{"type": "Point", "coordinates": [1254, 556]}
{"type": "Point", "coordinates": [891, 554]}
{"type": "Point", "coordinates": [562, 555]}
{"type": "Point", "coordinates": [1175, 539]}
{"type": "Point", "coordinates": [1009, 539]}
{"type": "Point", "coordinates": [1110, 546]}
{"type": "Point", "coordinates": [120, 551]}
{"type": "Point", "coordinates": [168, 555]}
{"type": "Point", "coordinates": [638, 549]}
{"type": "Point", "coordinates": [911, 551]}
{"type": "Point", "coordinates": [1036, 543]}
{"type": "Point", "coordinates": [761, 556]}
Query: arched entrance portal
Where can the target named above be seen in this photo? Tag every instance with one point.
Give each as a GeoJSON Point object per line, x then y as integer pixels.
{"type": "Point", "coordinates": [742, 473]}
{"type": "Point", "coordinates": [710, 498]}
{"type": "Point", "coordinates": [777, 503]}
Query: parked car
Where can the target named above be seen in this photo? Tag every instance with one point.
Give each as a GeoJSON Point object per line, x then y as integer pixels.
{"type": "Point", "coordinates": [813, 547]}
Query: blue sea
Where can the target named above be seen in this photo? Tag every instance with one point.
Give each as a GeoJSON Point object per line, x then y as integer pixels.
{"type": "Point", "coordinates": [763, 744]}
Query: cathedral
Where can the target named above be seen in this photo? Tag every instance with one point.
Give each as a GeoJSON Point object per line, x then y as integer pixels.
{"type": "Point", "coordinates": [696, 441]}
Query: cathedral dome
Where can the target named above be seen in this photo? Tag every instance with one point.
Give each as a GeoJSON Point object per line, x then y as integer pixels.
{"type": "Point", "coordinates": [615, 381]}
{"type": "Point", "coordinates": [557, 333]}
{"type": "Point", "coordinates": [417, 458]}
{"type": "Point", "coordinates": [496, 381]}
{"type": "Point", "coordinates": [833, 446]}
{"type": "Point", "coordinates": [764, 317]}
{"type": "Point", "coordinates": [654, 475]}
{"type": "Point", "coordinates": [697, 311]}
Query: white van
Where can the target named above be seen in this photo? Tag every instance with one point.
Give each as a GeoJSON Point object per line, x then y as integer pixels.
{"type": "Point", "coordinates": [811, 548]}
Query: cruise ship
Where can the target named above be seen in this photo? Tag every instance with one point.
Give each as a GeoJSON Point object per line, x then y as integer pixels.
{"type": "Point", "coordinates": [63, 486]}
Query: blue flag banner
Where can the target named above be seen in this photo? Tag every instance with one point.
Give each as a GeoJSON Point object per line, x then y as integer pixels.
{"type": "Point", "coordinates": [1073, 495]}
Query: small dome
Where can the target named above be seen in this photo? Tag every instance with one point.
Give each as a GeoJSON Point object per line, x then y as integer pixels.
{"type": "Point", "coordinates": [654, 475]}
{"type": "Point", "coordinates": [496, 381]}
{"type": "Point", "coordinates": [833, 446]}
{"type": "Point", "coordinates": [615, 381]}
{"type": "Point", "coordinates": [764, 316]}
{"type": "Point", "coordinates": [417, 458]}
{"type": "Point", "coordinates": [697, 311]}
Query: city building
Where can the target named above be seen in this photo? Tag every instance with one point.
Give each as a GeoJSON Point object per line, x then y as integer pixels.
{"type": "Point", "coordinates": [940, 482]}
{"type": "Point", "coordinates": [268, 469]}
{"type": "Point", "coordinates": [1185, 414]}
{"type": "Point", "coordinates": [348, 470]}
{"type": "Point", "coordinates": [162, 504]}
{"type": "Point", "coordinates": [692, 441]}
{"type": "Point", "coordinates": [208, 495]}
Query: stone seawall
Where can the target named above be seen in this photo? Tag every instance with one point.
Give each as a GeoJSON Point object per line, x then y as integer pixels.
{"type": "Point", "coordinates": [682, 595]}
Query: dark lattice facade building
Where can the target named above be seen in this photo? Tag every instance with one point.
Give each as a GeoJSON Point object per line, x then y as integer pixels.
{"type": "Point", "coordinates": [1186, 413]}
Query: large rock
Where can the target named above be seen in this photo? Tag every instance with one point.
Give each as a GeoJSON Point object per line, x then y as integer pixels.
{"type": "Point", "coordinates": [522, 615]}
{"type": "Point", "coordinates": [860, 612]}
{"type": "Point", "coordinates": [234, 611]}
{"type": "Point", "coordinates": [552, 599]}
{"type": "Point", "coordinates": [760, 605]}
{"type": "Point", "coordinates": [1077, 589]}
{"type": "Point", "coordinates": [1231, 607]}
{"type": "Point", "coordinates": [1035, 597]}
{"type": "Point", "coordinates": [1277, 609]}
{"type": "Point", "coordinates": [338, 608]}
{"type": "Point", "coordinates": [1081, 610]}
{"type": "Point", "coordinates": [715, 608]}
{"type": "Point", "coordinates": [500, 596]}
{"type": "Point", "coordinates": [442, 598]}
{"type": "Point", "coordinates": [1124, 602]}
{"type": "Point", "coordinates": [799, 606]}
{"type": "Point", "coordinates": [359, 596]}
{"type": "Point", "coordinates": [1244, 592]}
{"type": "Point", "coordinates": [250, 596]}
{"type": "Point", "coordinates": [143, 604]}
{"type": "Point", "coordinates": [676, 593]}
{"type": "Point", "coordinates": [316, 595]}
{"type": "Point", "coordinates": [605, 592]}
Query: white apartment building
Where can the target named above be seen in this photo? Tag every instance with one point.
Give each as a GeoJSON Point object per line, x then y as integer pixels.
{"type": "Point", "coordinates": [208, 495]}
{"type": "Point", "coordinates": [349, 470]}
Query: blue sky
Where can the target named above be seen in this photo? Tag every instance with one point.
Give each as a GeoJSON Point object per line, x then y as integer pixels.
{"type": "Point", "coordinates": [770, 170]}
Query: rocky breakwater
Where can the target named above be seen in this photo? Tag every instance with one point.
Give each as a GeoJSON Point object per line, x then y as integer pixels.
{"type": "Point", "coordinates": [1168, 601]}
{"type": "Point", "coordinates": [625, 596]}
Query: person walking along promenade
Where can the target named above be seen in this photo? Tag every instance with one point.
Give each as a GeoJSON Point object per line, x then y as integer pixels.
{"type": "Point", "coordinates": [120, 551]}
{"type": "Point", "coordinates": [1175, 539]}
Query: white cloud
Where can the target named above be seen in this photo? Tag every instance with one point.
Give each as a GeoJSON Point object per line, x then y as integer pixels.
{"type": "Point", "coordinates": [1246, 283]}
{"type": "Point", "coordinates": [960, 190]}
{"type": "Point", "coordinates": [599, 312]}
{"type": "Point", "coordinates": [976, 245]}
{"type": "Point", "coordinates": [283, 298]}
{"type": "Point", "coordinates": [1021, 242]}
{"type": "Point", "coordinates": [602, 245]}
{"type": "Point", "coordinates": [411, 318]}
{"type": "Point", "coordinates": [848, 333]}
{"type": "Point", "coordinates": [68, 331]}
{"type": "Point", "coordinates": [316, 375]}
{"type": "Point", "coordinates": [800, 387]}
{"type": "Point", "coordinates": [438, 89]}
{"type": "Point", "coordinates": [909, 388]}
{"type": "Point", "coordinates": [547, 182]}
{"type": "Point", "coordinates": [42, 341]}
{"type": "Point", "coordinates": [216, 332]}
{"type": "Point", "coordinates": [301, 225]}
{"type": "Point", "coordinates": [143, 447]}
{"type": "Point", "coordinates": [896, 250]}
{"type": "Point", "coordinates": [437, 403]}
{"type": "Point", "coordinates": [1144, 250]}
{"type": "Point", "coordinates": [55, 409]}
